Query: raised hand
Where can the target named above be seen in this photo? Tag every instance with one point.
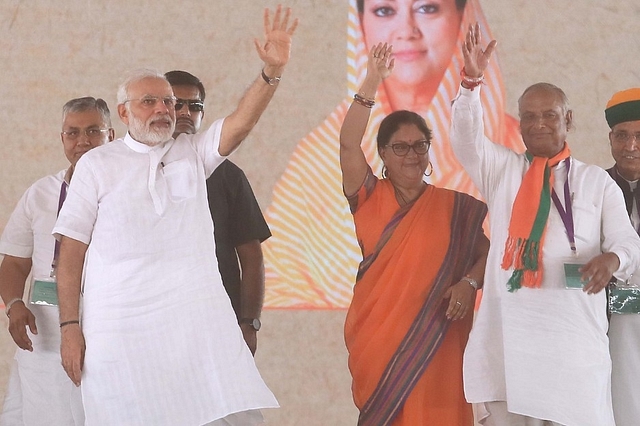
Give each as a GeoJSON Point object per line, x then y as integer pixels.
{"type": "Point", "coordinates": [276, 50]}
{"type": "Point", "coordinates": [379, 63]}
{"type": "Point", "coordinates": [476, 59]}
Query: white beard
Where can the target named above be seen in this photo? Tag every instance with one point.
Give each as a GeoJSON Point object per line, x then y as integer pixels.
{"type": "Point", "coordinates": [145, 134]}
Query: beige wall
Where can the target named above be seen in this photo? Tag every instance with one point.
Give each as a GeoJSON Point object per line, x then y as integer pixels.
{"type": "Point", "coordinates": [53, 51]}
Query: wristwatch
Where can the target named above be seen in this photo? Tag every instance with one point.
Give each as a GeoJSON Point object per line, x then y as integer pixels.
{"type": "Point", "coordinates": [270, 81]}
{"type": "Point", "coordinates": [255, 323]}
{"type": "Point", "coordinates": [471, 281]}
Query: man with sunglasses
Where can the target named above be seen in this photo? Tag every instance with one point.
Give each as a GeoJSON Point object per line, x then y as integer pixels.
{"type": "Point", "coordinates": [163, 346]}
{"type": "Point", "coordinates": [39, 392]}
{"type": "Point", "coordinates": [623, 117]}
{"type": "Point", "coordinates": [239, 226]}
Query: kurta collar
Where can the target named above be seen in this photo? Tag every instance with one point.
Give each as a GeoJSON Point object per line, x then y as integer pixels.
{"type": "Point", "coordinates": [67, 175]}
{"type": "Point", "coordinates": [142, 148]}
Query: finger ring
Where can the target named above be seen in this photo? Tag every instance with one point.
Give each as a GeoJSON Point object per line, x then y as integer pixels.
{"type": "Point", "coordinates": [458, 303]}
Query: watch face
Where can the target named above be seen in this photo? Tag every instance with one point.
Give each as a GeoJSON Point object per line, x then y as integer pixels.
{"type": "Point", "coordinates": [255, 323]}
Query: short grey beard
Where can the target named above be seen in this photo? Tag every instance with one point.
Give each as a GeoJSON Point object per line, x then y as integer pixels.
{"type": "Point", "coordinates": [143, 133]}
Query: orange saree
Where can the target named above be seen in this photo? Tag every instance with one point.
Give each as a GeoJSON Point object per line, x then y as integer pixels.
{"type": "Point", "coordinates": [405, 357]}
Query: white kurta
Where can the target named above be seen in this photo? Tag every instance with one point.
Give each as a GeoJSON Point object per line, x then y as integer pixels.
{"type": "Point", "coordinates": [624, 344]}
{"type": "Point", "coordinates": [543, 351]}
{"type": "Point", "coordinates": [163, 344]}
{"type": "Point", "coordinates": [624, 335]}
{"type": "Point", "coordinates": [39, 391]}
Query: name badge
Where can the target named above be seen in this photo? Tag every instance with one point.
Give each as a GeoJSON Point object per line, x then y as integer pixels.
{"type": "Point", "coordinates": [572, 276]}
{"type": "Point", "coordinates": [44, 293]}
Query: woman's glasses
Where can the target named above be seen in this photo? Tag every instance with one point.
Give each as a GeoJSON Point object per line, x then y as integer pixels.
{"type": "Point", "coordinates": [401, 149]}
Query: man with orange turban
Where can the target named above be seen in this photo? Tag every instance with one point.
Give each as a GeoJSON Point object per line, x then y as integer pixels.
{"type": "Point", "coordinates": [623, 116]}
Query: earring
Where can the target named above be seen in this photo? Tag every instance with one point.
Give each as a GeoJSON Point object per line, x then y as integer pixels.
{"type": "Point", "coordinates": [431, 171]}
{"type": "Point", "coordinates": [384, 172]}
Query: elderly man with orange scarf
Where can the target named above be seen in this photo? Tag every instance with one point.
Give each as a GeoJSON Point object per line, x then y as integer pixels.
{"type": "Point", "coordinates": [538, 353]}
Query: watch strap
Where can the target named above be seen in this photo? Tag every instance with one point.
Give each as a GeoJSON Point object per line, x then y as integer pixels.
{"type": "Point", "coordinates": [270, 81]}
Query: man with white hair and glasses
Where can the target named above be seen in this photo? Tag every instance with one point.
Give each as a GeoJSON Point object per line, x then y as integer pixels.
{"type": "Point", "coordinates": [39, 392]}
{"type": "Point", "coordinates": [162, 343]}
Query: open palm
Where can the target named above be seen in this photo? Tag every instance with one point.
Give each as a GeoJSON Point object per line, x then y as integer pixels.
{"type": "Point", "coordinates": [476, 60]}
{"type": "Point", "coordinates": [276, 49]}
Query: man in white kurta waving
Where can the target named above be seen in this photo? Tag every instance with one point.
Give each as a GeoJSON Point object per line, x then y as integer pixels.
{"type": "Point", "coordinates": [538, 353]}
{"type": "Point", "coordinates": [155, 343]}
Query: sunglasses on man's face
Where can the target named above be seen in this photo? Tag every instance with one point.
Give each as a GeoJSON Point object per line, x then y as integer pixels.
{"type": "Point", "coordinates": [193, 105]}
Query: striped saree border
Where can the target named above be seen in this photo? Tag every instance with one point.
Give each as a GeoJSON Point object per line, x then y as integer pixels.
{"type": "Point", "coordinates": [430, 326]}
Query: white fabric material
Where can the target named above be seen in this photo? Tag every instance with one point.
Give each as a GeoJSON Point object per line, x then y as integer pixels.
{"type": "Point", "coordinates": [244, 418]}
{"type": "Point", "coordinates": [543, 351]}
{"type": "Point", "coordinates": [635, 214]}
{"type": "Point", "coordinates": [624, 344]}
{"type": "Point", "coordinates": [496, 414]}
{"type": "Point", "coordinates": [624, 336]}
{"type": "Point", "coordinates": [163, 344]}
{"type": "Point", "coordinates": [39, 391]}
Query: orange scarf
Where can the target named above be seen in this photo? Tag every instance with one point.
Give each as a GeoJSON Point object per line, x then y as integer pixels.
{"type": "Point", "coordinates": [523, 248]}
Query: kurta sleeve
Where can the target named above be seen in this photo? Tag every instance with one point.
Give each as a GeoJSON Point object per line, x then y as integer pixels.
{"type": "Point", "coordinates": [17, 238]}
{"type": "Point", "coordinates": [618, 235]}
{"type": "Point", "coordinates": [482, 159]}
{"type": "Point", "coordinates": [80, 210]}
{"type": "Point", "coordinates": [207, 146]}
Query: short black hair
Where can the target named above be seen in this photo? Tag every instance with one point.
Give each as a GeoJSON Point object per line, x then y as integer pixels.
{"type": "Point", "coordinates": [183, 78]}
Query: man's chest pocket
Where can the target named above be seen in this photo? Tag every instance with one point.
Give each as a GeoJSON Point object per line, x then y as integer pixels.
{"type": "Point", "coordinates": [586, 221]}
{"type": "Point", "coordinates": [180, 178]}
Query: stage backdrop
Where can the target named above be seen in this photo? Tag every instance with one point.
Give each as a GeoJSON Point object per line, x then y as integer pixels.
{"type": "Point", "coordinates": [53, 51]}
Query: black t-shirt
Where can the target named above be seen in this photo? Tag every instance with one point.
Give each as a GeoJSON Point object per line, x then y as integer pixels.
{"type": "Point", "coordinates": [237, 220]}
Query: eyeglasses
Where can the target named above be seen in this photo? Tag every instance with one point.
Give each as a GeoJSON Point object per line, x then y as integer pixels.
{"type": "Point", "coordinates": [624, 137]}
{"type": "Point", "coordinates": [401, 149]}
{"type": "Point", "coordinates": [92, 133]}
{"type": "Point", "coordinates": [152, 101]}
{"type": "Point", "coordinates": [194, 105]}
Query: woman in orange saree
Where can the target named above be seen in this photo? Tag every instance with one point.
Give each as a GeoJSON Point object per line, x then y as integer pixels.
{"type": "Point", "coordinates": [423, 255]}
{"type": "Point", "coordinates": [313, 254]}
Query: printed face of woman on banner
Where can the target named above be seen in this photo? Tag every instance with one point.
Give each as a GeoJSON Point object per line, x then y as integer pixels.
{"type": "Point", "coordinates": [424, 36]}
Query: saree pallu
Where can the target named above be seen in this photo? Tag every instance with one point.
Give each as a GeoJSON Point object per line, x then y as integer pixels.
{"type": "Point", "coordinates": [405, 357]}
